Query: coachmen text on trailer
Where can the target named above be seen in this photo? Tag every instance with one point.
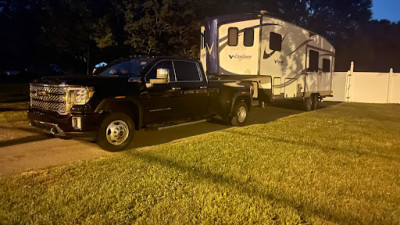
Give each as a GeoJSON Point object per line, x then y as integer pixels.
{"type": "Point", "coordinates": [282, 60]}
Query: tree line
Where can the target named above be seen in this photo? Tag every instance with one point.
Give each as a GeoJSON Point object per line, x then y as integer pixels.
{"type": "Point", "coordinates": [76, 34]}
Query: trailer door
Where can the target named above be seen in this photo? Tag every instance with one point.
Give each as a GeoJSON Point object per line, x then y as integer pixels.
{"type": "Point", "coordinates": [325, 79]}
{"type": "Point", "coordinates": [319, 71]}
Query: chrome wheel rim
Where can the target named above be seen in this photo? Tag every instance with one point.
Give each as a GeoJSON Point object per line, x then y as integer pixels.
{"type": "Point", "coordinates": [241, 114]}
{"type": "Point", "coordinates": [117, 132]}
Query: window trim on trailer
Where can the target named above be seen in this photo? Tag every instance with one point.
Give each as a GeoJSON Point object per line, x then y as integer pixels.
{"type": "Point", "coordinates": [248, 37]}
{"type": "Point", "coordinates": [233, 42]}
{"type": "Point", "coordinates": [326, 65]}
{"type": "Point", "coordinates": [274, 38]}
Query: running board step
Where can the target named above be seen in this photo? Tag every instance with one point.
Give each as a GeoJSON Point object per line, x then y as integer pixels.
{"type": "Point", "coordinates": [182, 124]}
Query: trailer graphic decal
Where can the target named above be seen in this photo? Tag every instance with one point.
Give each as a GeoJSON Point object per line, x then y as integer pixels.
{"type": "Point", "coordinates": [210, 49]}
{"type": "Point", "coordinates": [301, 45]}
{"type": "Point", "coordinates": [235, 56]}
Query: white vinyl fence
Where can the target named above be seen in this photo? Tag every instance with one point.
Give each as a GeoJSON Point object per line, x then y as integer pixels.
{"type": "Point", "coordinates": [365, 87]}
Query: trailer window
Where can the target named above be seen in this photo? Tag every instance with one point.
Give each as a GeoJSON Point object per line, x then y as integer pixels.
{"type": "Point", "coordinates": [313, 58]}
{"type": "Point", "coordinates": [275, 41]}
{"type": "Point", "coordinates": [248, 40]}
{"type": "Point", "coordinates": [326, 65]}
{"type": "Point", "coordinates": [233, 34]}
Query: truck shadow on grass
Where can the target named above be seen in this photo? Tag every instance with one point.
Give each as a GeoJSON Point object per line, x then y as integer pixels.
{"type": "Point", "coordinates": [257, 115]}
{"type": "Point", "coordinates": [298, 105]}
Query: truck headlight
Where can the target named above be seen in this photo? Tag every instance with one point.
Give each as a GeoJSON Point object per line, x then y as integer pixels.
{"type": "Point", "coordinates": [79, 96]}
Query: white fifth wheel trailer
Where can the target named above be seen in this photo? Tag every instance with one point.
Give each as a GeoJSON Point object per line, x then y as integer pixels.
{"type": "Point", "coordinates": [284, 61]}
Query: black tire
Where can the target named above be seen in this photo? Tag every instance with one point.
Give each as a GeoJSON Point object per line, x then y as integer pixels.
{"type": "Point", "coordinates": [239, 114]}
{"type": "Point", "coordinates": [315, 101]}
{"type": "Point", "coordinates": [116, 132]}
{"type": "Point", "coordinates": [308, 103]}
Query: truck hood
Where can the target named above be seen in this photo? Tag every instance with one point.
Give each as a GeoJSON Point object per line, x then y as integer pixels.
{"type": "Point", "coordinates": [82, 80]}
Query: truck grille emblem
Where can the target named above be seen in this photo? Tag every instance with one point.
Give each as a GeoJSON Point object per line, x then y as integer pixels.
{"type": "Point", "coordinates": [41, 93]}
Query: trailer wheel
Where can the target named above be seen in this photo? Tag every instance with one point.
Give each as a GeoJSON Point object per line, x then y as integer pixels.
{"type": "Point", "coordinates": [315, 101]}
{"type": "Point", "coordinates": [308, 103]}
{"type": "Point", "coordinates": [239, 114]}
{"type": "Point", "coordinates": [116, 132]}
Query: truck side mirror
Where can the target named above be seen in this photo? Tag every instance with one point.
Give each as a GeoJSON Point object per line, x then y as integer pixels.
{"type": "Point", "coordinates": [162, 77]}
{"type": "Point", "coordinates": [163, 73]}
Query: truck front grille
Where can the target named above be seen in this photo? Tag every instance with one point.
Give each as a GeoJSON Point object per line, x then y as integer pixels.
{"type": "Point", "coordinates": [49, 97]}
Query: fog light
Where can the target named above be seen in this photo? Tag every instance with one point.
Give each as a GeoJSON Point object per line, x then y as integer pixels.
{"type": "Point", "coordinates": [77, 123]}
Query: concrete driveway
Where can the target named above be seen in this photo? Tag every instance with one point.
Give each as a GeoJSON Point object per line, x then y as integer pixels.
{"type": "Point", "coordinates": [23, 148]}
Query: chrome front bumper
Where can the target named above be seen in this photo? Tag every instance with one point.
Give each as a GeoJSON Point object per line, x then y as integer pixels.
{"type": "Point", "coordinates": [63, 126]}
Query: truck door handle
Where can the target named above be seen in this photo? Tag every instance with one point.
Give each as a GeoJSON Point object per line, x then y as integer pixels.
{"type": "Point", "coordinates": [176, 88]}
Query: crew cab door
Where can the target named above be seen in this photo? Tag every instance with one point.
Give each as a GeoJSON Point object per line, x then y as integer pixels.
{"type": "Point", "coordinates": [194, 91]}
{"type": "Point", "coordinates": [160, 102]}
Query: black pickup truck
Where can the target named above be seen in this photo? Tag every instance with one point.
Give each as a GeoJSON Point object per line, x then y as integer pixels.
{"type": "Point", "coordinates": [131, 94]}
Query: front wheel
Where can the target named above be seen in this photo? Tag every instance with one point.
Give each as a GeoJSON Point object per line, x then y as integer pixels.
{"type": "Point", "coordinates": [239, 114]}
{"type": "Point", "coordinates": [116, 132]}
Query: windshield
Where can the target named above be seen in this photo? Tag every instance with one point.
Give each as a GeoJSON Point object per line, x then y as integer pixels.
{"type": "Point", "coordinates": [129, 67]}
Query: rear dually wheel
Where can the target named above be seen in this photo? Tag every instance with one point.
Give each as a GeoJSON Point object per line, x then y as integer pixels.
{"type": "Point", "coordinates": [239, 114]}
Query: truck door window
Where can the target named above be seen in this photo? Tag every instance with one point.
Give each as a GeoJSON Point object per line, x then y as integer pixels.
{"type": "Point", "coordinates": [248, 40]}
{"type": "Point", "coordinates": [129, 67]}
{"type": "Point", "coordinates": [166, 64]}
{"type": "Point", "coordinates": [233, 36]}
{"type": "Point", "coordinates": [313, 61]}
{"type": "Point", "coordinates": [186, 71]}
{"type": "Point", "coordinates": [275, 41]}
{"type": "Point", "coordinates": [326, 65]}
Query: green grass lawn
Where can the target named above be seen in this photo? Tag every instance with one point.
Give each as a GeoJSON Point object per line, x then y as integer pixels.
{"type": "Point", "coordinates": [338, 165]}
{"type": "Point", "coordinates": [13, 111]}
